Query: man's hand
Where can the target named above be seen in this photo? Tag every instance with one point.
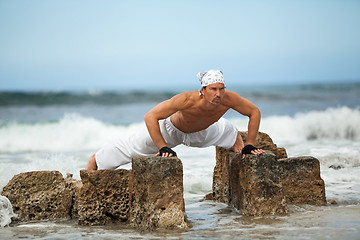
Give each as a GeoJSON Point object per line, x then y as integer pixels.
{"type": "Point", "coordinates": [250, 149]}
{"type": "Point", "coordinates": [166, 152]}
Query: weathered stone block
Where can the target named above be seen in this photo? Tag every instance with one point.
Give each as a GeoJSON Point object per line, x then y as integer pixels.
{"type": "Point", "coordinates": [74, 186]}
{"type": "Point", "coordinates": [104, 197]}
{"type": "Point", "coordinates": [255, 185]}
{"type": "Point", "coordinates": [223, 157]}
{"type": "Point", "coordinates": [157, 193]}
{"type": "Point", "coordinates": [301, 181]}
{"type": "Point", "coordinates": [221, 175]}
{"type": "Point", "coordinates": [265, 142]}
{"type": "Point", "coordinates": [39, 195]}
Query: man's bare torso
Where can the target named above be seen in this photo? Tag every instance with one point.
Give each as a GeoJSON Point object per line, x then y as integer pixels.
{"type": "Point", "coordinates": [198, 113]}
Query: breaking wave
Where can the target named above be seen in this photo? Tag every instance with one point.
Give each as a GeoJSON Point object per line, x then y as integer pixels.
{"type": "Point", "coordinates": [74, 132]}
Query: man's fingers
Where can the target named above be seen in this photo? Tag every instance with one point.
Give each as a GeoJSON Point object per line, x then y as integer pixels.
{"type": "Point", "coordinates": [260, 151]}
{"type": "Point", "coordinates": [164, 154]}
{"type": "Point", "coordinates": [257, 151]}
{"type": "Point", "coordinates": [167, 155]}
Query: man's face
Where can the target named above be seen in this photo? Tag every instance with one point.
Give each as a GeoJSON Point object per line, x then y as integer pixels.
{"type": "Point", "coordinates": [214, 93]}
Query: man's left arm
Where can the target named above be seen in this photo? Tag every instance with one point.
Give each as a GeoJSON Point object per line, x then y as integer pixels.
{"type": "Point", "coordinates": [246, 108]}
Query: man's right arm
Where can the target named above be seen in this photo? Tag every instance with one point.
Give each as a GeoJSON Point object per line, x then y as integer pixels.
{"type": "Point", "coordinates": [162, 111]}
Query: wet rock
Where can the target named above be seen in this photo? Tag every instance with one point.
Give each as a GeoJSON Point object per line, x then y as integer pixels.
{"type": "Point", "coordinates": [157, 194]}
{"type": "Point", "coordinates": [74, 186]}
{"type": "Point", "coordinates": [336, 167]}
{"type": "Point", "coordinates": [265, 142]}
{"type": "Point", "coordinates": [255, 185]}
{"type": "Point", "coordinates": [223, 157]}
{"type": "Point", "coordinates": [221, 175]}
{"type": "Point", "coordinates": [39, 195]}
{"type": "Point", "coordinates": [301, 181]}
{"type": "Point", "coordinates": [208, 197]}
{"type": "Point", "coordinates": [103, 197]}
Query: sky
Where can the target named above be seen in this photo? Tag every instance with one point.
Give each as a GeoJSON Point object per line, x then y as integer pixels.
{"type": "Point", "coordinates": [162, 44]}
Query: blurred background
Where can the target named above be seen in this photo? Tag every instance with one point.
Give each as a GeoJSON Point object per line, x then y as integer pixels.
{"type": "Point", "coordinates": [87, 45]}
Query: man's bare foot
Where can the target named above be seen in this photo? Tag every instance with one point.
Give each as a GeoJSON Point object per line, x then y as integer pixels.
{"type": "Point", "coordinates": [91, 165]}
{"type": "Point", "coordinates": [239, 144]}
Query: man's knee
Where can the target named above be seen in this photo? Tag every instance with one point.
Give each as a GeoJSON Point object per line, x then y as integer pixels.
{"type": "Point", "coordinates": [91, 165]}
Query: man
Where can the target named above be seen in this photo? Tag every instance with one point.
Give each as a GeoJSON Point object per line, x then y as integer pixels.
{"type": "Point", "coordinates": [190, 118]}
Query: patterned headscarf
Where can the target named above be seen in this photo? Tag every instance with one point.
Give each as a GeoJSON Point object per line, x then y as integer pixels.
{"type": "Point", "coordinates": [210, 77]}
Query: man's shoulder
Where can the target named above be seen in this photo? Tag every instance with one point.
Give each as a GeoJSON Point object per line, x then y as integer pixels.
{"type": "Point", "coordinates": [230, 98]}
{"type": "Point", "coordinates": [187, 95]}
{"type": "Point", "coordinates": [186, 99]}
{"type": "Point", "coordinates": [231, 94]}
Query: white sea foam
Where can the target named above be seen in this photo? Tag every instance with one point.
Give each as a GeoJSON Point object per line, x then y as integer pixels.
{"type": "Point", "coordinates": [74, 132]}
{"type": "Point", "coordinates": [6, 211]}
{"type": "Point", "coordinates": [334, 124]}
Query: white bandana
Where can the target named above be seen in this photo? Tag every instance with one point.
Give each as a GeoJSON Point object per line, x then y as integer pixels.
{"type": "Point", "coordinates": [210, 77]}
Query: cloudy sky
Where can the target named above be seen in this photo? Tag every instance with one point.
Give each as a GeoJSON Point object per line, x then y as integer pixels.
{"type": "Point", "coordinates": [85, 44]}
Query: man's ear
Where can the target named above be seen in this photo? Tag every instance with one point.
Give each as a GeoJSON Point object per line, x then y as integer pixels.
{"type": "Point", "coordinates": [201, 93]}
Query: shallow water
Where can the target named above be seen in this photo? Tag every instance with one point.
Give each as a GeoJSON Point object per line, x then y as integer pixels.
{"type": "Point", "coordinates": [213, 221]}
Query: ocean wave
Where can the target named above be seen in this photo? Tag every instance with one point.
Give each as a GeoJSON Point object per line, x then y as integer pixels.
{"type": "Point", "coordinates": [341, 123]}
{"type": "Point", "coordinates": [72, 133]}
{"type": "Point", "coordinates": [75, 132]}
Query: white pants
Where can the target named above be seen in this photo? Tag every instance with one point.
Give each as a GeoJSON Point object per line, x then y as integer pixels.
{"type": "Point", "coordinates": [221, 133]}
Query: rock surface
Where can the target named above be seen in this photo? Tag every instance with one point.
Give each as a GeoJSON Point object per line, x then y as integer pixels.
{"type": "Point", "coordinates": [223, 157]}
{"type": "Point", "coordinates": [301, 181]}
{"type": "Point", "coordinates": [157, 194]}
{"type": "Point", "coordinates": [153, 195]}
{"type": "Point", "coordinates": [255, 185]}
{"type": "Point", "coordinates": [103, 197]}
{"type": "Point", "coordinates": [39, 195]}
{"type": "Point", "coordinates": [221, 175]}
{"type": "Point", "coordinates": [265, 142]}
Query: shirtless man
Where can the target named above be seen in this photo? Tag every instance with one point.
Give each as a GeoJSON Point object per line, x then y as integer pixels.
{"type": "Point", "coordinates": [191, 118]}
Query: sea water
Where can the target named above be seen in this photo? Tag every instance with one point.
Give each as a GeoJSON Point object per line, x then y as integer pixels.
{"type": "Point", "coordinates": [60, 130]}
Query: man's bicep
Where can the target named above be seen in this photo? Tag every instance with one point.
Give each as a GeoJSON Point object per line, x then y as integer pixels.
{"type": "Point", "coordinates": [166, 108]}
{"type": "Point", "coordinates": [242, 105]}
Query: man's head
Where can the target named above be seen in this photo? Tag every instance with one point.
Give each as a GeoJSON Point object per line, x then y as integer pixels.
{"type": "Point", "coordinates": [210, 77]}
{"type": "Point", "coordinates": [213, 86]}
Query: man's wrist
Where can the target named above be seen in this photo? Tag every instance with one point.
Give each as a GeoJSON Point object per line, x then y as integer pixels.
{"type": "Point", "coordinates": [162, 146]}
{"type": "Point", "coordinates": [249, 143]}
